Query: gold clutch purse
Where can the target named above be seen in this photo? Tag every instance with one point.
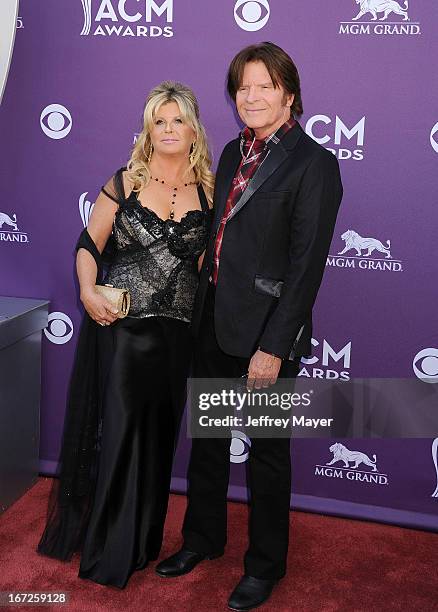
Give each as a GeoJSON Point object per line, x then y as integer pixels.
{"type": "Point", "coordinates": [119, 298]}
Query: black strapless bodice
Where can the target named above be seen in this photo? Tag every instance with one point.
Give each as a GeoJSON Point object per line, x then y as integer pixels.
{"type": "Point", "coordinates": [156, 259]}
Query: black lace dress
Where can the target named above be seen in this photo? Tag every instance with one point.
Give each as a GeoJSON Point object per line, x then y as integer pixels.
{"type": "Point", "coordinates": [120, 527]}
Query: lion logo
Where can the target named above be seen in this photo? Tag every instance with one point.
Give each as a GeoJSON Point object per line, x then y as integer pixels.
{"type": "Point", "coordinates": [342, 453]}
{"type": "Point", "coordinates": [12, 221]}
{"type": "Point", "coordinates": [354, 241]}
{"type": "Point", "coordinates": [382, 6]}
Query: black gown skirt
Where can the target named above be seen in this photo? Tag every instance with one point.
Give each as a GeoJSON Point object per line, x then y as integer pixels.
{"type": "Point", "coordinates": [143, 404]}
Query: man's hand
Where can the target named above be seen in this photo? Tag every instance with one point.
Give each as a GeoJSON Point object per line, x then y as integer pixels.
{"type": "Point", "coordinates": [263, 370]}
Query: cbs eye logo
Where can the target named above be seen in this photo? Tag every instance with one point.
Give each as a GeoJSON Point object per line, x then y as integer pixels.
{"type": "Point", "coordinates": [59, 329]}
{"type": "Point", "coordinates": [434, 142]}
{"type": "Point", "coordinates": [56, 121]}
{"type": "Point", "coordinates": [425, 365]}
{"type": "Point", "coordinates": [239, 447]}
{"type": "Point", "coordinates": [251, 15]}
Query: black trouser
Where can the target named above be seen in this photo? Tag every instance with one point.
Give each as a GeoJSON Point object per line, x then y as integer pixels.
{"type": "Point", "coordinates": [269, 468]}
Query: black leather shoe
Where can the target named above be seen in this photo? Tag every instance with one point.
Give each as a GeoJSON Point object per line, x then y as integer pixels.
{"type": "Point", "coordinates": [250, 593]}
{"type": "Point", "coordinates": [181, 563]}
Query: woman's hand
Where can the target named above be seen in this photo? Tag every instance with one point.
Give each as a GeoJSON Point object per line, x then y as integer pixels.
{"type": "Point", "coordinates": [99, 309]}
{"type": "Point", "coordinates": [99, 229]}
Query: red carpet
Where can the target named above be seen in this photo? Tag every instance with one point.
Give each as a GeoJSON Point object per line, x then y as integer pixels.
{"type": "Point", "coordinates": [334, 565]}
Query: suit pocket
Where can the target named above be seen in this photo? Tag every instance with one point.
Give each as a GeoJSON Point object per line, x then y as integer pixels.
{"type": "Point", "coordinates": [268, 286]}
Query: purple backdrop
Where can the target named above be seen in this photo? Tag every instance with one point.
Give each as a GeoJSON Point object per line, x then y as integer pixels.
{"type": "Point", "coordinates": [80, 73]}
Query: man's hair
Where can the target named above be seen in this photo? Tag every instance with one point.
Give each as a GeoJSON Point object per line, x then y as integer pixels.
{"type": "Point", "coordinates": [280, 66]}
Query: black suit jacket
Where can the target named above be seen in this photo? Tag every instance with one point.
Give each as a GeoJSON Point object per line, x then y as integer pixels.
{"type": "Point", "coordinates": [274, 247]}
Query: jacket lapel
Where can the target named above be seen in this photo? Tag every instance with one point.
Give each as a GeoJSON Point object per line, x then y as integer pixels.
{"type": "Point", "coordinates": [224, 176]}
{"type": "Point", "coordinates": [276, 156]}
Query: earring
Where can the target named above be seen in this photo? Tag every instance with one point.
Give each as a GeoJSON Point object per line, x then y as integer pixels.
{"type": "Point", "coordinates": [192, 152]}
{"type": "Point", "coordinates": [149, 155]}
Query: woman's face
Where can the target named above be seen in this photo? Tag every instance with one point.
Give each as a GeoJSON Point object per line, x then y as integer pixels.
{"type": "Point", "coordinates": [170, 134]}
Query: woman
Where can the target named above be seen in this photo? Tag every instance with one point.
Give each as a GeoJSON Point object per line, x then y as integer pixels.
{"type": "Point", "coordinates": [128, 384]}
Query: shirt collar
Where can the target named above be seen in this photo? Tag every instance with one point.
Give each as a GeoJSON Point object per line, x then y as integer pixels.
{"type": "Point", "coordinates": [247, 134]}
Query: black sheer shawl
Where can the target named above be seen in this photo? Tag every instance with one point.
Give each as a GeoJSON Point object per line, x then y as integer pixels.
{"type": "Point", "coordinates": [72, 493]}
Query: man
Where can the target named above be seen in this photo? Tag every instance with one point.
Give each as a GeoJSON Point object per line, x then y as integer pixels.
{"type": "Point", "coordinates": [276, 199]}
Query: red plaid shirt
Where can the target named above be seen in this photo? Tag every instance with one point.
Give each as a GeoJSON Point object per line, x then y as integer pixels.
{"type": "Point", "coordinates": [254, 152]}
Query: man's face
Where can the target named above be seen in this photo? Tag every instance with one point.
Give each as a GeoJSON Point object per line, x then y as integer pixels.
{"type": "Point", "coordinates": [260, 105]}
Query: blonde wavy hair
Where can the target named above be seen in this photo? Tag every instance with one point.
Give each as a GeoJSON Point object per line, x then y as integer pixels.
{"type": "Point", "coordinates": [138, 166]}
